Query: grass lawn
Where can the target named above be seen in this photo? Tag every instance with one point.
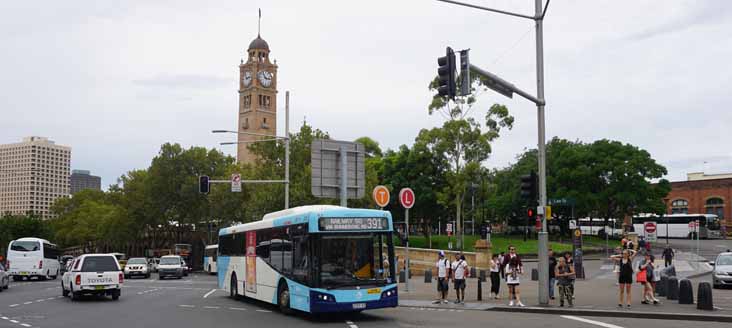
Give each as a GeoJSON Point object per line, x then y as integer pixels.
{"type": "Point", "coordinates": [499, 243]}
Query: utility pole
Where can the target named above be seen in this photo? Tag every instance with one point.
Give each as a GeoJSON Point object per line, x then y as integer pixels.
{"type": "Point", "coordinates": [287, 149]}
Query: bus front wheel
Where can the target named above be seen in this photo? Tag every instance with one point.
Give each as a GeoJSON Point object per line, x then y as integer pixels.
{"type": "Point", "coordinates": [283, 299]}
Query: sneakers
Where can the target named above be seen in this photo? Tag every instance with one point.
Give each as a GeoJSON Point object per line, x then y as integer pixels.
{"type": "Point", "coordinates": [457, 301]}
{"type": "Point", "coordinates": [561, 304]}
{"type": "Point", "coordinates": [445, 301]}
{"type": "Point", "coordinates": [521, 304]}
{"type": "Point", "coordinates": [510, 303]}
{"type": "Point", "coordinates": [644, 302]}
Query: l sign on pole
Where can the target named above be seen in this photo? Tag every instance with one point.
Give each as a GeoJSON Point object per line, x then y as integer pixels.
{"type": "Point", "coordinates": [406, 198]}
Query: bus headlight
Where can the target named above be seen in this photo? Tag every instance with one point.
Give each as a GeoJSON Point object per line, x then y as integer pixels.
{"type": "Point", "coordinates": [322, 297]}
{"type": "Point", "coordinates": [389, 293]}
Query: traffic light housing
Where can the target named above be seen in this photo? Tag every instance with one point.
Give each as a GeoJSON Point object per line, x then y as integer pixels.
{"type": "Point", "coordinates": [529, 188]}
{"type": "Point", "coordinates": [446, 75]}
{"type": "Point", "coordinates": [530, 213]}
{"type": "Point", "coordinates": [203, 184]}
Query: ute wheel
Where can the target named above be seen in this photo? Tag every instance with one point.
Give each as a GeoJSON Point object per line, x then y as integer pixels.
{"type": "Point", "coordinates": [74, 296]}
{"type": "Point", "coordinates": [233, 288]}
{"type": "Point", "coordinates": [64, 292]}
{"type": "Point", "coordinates": [115, 294]}
{"type": "Point", "coordinates": [283, 299]}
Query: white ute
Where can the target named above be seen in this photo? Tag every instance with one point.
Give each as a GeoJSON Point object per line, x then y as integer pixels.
{"type": "Point", "coordinates": [93, 274]}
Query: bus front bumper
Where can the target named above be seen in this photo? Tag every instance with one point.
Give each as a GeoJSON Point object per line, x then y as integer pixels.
{"type": "Point", "coordinates": [386, 300]}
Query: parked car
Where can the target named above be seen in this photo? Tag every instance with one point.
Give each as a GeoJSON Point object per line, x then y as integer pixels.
{"type": "Point", "coordinates": [93, 274]}
{"type": "Point", "coordinates": [171, 266]}
{"type": "Point", "coordinates": [137, 266]}
{"type": "Point", "coordinates": [4, 278]}
{"type": "Point", "coordinates": [186, 268]}
{"type": "Point", "coordinates": [722, 275]}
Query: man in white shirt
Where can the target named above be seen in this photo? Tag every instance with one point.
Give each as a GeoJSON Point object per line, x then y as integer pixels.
{"type": "Point", "coordinates": [459, 272]}
{"type": "Point", "coordinates": [443, 266]}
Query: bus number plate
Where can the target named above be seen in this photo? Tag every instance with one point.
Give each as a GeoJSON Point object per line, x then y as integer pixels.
{"type": "Point", "coordinates": [359, 306]}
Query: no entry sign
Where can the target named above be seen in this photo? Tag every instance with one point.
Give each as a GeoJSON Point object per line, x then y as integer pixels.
{"type": "Point", "coordinates": [406, 198]}
{"type": "Point", "coordinates": [650, 227]}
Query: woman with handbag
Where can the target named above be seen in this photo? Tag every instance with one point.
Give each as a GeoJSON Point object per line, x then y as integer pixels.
{"type": "Point", "coordinates": [645, 277]}
{"type": "Point", "coordinates": [625, 277]}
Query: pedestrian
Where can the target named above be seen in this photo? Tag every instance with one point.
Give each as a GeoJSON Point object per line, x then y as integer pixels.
{"type": "Point", "coordinates": [501, 258]}
{"type": "Point", "coordinates": [642, 245]}
{"type": "Point", "coordinates": [443, 277]}
{"type": "Point", "coordinates": [570, 261]}
{"type": "Point", "coordinates": [514, 268]}
{"type": "Point", "coordinates": [625, 278]}
{"type": "Point", "coordinates": [552, 271]}
{"type": "Point", "coordinates": [459, 268]}
{"type": "Point", "coordinates": [624, 243]}
{"type": "Point", "coordinates": [495, 276]}
{"type": "Point", "coordinates": [668, 256]}
{"type": "Point", "coordinates": [646, 268]}
{"type": "Point", "coordinates": [565, 281]}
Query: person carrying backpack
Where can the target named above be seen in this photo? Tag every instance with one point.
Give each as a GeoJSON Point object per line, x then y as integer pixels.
{"type": "Point", "coordinates": [443, 277]}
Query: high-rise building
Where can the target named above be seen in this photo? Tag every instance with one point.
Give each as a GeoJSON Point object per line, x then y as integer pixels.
{"type": "Point", "coordinates": [257, 98]}
{"type": "Point", "coordinates": [33, 174]}
{"type": "Point", "coordinates": [82, 179]}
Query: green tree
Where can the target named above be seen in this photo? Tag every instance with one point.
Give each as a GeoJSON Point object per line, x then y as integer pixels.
{"type": "Point", "coordinates": [18, 226]}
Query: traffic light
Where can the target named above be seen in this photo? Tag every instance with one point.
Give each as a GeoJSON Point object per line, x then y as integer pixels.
{"type": "Point", "coordinates": [446, 75]}
{"type": "Point", "coordinates": [464, 73]}
{"type": "Point", "coordinates": [530, 213]}
{"type": "Point", "coordinates": [529, 186]}
{"type": "Point", "coordinates": [203, 184]}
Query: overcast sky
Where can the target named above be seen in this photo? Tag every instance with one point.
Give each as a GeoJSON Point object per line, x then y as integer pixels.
{"type": "Point", "coordinates": [116, 79]}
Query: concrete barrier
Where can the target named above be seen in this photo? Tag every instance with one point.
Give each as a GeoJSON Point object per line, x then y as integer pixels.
{"type": "Point", "coordinates": [661, 286]}
{"type": "Point", "coordinates": [704, 299]}
{"type": "Point", "coordinates": [686, 294]}
{"type": "Point", "coordinates": [428, 276]}
{"type": "Point", "coordinates": [534, 274]}
{"type": "Point", "coordinates": [672, 289]}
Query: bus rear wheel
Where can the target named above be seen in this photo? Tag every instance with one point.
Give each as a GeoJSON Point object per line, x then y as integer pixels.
{"type": "Point", "coordinates": [233, 288]}
{"type": "Point", "coordinates": [283, 299]}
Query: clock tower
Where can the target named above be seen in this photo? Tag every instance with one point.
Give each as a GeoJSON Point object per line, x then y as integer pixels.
{"type": "Point", "coordinates": [257, 99]}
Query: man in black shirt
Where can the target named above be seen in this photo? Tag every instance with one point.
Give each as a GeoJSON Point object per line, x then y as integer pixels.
{"type": "Point", "coordinates": [552, 274]}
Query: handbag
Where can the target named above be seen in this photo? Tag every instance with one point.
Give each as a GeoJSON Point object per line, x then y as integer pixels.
{"type": "Point", "coordinates": [641, 276]}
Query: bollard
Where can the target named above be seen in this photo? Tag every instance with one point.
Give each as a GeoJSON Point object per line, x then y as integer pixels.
{"type": "Point", "coordinates": [410, 273]}
{"type": "Point", "coordinates": [428, 276]}
{"type": "Point", "coordinates": [402, 276]}
{"type": "Point", "coordinates": [661, 286]}
{"type": "Point", "coordinates": [672, 289]}
{"type": "Point", "coordinates": [686, 294]}
{"type": "Point", "coordinates": [473, 273]}
{"type": "Point", "coordinates": [480, 290]}
{"type": "Point", "coordinates": [481, 275]}
{"type": "Point", "coordinates": [669, 271]}
{"type": "Point", "coordinates": [704, 299]}
{"type": "Point", "coordinates": [534, 274]}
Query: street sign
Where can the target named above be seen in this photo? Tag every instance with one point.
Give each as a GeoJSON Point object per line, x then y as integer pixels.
{"type": "Point", "coordinates": [693, 225]}
{"type": "Point", "coordinates": [572, 224]}
{"type": "Point", "coordinates": [406, 198]}
{"type": "Point", "coordinates": [381, 196]}
{"type": "Point", "coordinates": [326, 163]}
{"type": "Point", "coordinates": [448, 229]}
{"type": "Point", "coordinates": [236, 182]}
{"type": "Point", "coordinates": [650, 229]}
{"type": "Point", "coordinates": [561, 201]}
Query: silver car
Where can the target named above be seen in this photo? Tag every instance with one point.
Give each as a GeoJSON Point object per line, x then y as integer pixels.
{"type": "Point", "coordinates": [722, 276]}
{"type": "Point", "coordinates": [4, 278]}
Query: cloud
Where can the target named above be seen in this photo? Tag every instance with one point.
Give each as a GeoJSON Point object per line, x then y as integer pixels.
{"type": "Point", "coordinates": [703, 13]}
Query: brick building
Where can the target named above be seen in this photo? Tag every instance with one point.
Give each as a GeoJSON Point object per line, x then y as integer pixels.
{"type": "Point", "coordinates": [703, 193]}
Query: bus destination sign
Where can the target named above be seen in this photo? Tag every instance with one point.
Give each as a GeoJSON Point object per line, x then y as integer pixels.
{"type": "Point", "coordinates": [350, 224]}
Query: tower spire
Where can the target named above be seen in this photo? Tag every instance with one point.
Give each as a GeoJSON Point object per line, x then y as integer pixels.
{"type": "Point", "coordinates": [259, 23]}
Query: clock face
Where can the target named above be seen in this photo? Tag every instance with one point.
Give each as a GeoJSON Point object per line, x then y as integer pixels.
{"type": "Point", "coordinates": [265, 78]}
{"type": "Point", "coordinates": [247, 78]}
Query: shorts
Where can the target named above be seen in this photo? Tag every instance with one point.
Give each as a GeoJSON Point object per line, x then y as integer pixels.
{"type": "Point", "coordinates": [625, 278]}
{"type": "Point", "coordinates": [442, 284]}
{"type": "Point", "coordinates": [460, 284]}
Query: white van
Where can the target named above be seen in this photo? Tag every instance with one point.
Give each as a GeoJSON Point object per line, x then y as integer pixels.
{"type": "Point", "coordinates": [33, 257]}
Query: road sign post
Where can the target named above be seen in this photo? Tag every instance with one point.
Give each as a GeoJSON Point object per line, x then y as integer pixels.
{"type": "Point", "coordinates": [406, 198]}
{"type": "Point", "coordinates": [650, 229]}
{"type": "Point", "coordinates": [236, 182]}
{"type": "Point", "coordinates": [337, 169]}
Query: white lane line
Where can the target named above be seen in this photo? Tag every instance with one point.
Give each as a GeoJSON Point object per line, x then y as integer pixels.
{"type": "Point", "coordinates": [187, 306]}
{"type": "Point", "coordinates": [50, 298]}
{"type": "Point", "coordinates": [25, 325]}
{"type": "Point", "coordinates": [5, 318]}
{"type": "Point", "coordinates": [14, 321]}
{"type": "Point", "coordinates": [14, 305]}
{"type": "Point", "coordinates": [265, 311]}
{"type": "Point", "coordinates": [209, 293]}
{"type": "Point", "coordinates": [211, 307]}
{"type": "Point", "coordinates": [26, 303]}
{"type": "Point", "coordinates": [237, 309]}
{"type": "Point", "coordinates": [597, 323]}
{"type": "Point", "coordinates": [351, 324]}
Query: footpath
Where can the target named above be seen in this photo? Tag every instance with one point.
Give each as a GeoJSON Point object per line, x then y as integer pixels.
{"type": "Point", "coordinates": [596, 295]}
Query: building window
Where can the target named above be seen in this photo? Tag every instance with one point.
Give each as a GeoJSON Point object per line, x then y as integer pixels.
{"type": "Point", "coordinates": [247, 101]}
{"type": "Point", "coordinates": [680, 206]}
{"type": "Point", "coordinates": [715, 206]}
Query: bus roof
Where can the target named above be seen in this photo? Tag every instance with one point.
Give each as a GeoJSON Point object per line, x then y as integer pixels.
{"type": "Point", "coordinates": [34, 239]}
{"type": "Point", "coordinates": [678, 215]}
{"type": "Point", "coordinates": [304, 214]}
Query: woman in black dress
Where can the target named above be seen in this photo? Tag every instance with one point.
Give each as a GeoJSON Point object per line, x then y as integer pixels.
{"type": "Point", "coordinates": [625, 277]}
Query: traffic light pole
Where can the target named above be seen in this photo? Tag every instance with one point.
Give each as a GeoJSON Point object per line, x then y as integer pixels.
{"type": "Point", "coordinates": [497, 84]}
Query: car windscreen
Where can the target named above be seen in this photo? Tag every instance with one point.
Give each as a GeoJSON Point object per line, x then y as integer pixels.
{"type": "Point", "coordinates": [724, 260]}
{"type": "Point", "coordinates": [25, 246]}
{"type": "Point", "coordinates": [138, 260]}
{"type": "Point", "coordinates": [99, 264]}
{"type": "Point", "coordinates": [169, 261]}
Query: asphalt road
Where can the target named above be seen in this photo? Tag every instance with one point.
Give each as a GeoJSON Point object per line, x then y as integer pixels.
{"type": "Point", "coordinates": [195, 302]}
{"type": "Point", "coordinates": [707, 248]}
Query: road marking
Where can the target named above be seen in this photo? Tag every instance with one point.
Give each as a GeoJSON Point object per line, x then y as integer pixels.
{"type": "Point", "coordinates": [5, 318]}
{"type": "Point", "coordinates": [14, 305]}
{"type": "Point", "coordinates": [264, 311]}
{"type": "Point", "coordinates": [50, 298]}
{"type": "Point", "coordinates": [25, 325]}
{"type": "Point", "coordinates": [26, 303]}
{"type": "Point", "coordinates": [237, 309]}
{"type": "Point", "coordinates": [211, 307]}
{"type": "Point", "coordinates": [597, 323]}
{"type": "Point", "coordinates": [209, 293]}
{"type": "Point", "coordinates": [351, 324]}
{"type": "Point", "coordinates": [14, 321]}
{"type": "Point", "coordinates": [187, 306]}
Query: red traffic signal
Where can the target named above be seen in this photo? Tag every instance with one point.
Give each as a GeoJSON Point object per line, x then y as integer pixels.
{"type": "Point", "coordinates": [530, 212]}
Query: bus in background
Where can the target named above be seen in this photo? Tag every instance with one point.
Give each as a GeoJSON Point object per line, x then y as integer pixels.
{"type": "Point", "coordinates": [209, 258]}
{"type": "Point", "coordinates": [599, 227]}
{"type": "Point", "coordinates": [33, 257]}
{"type": "Point", "coordinates": [314, 259]}
{"type": "Point", "coordinates": [678, 225]}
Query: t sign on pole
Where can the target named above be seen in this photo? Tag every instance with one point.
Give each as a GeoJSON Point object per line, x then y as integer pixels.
{"type": "Point", "coordinates": [406, 198]}
{"type": "Point", "coordinates": [381, 196]}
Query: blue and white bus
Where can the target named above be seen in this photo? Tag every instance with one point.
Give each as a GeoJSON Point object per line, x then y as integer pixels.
{"type": "Point", "coordinates": [313, 259]}
{"type": "Point", "coordinates": [209, 258]}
